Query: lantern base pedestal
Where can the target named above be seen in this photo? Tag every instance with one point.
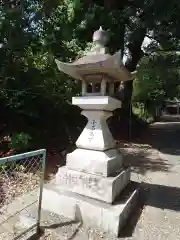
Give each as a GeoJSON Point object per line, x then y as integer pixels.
{"type": "Point", "coordinates": [92, 213]}
{"type": "Point", "coordinates": [101, 188]}
{"type": "Point", "coordinates": [103, 163]}
{"type": "Point", "coordinates": [94, 187]}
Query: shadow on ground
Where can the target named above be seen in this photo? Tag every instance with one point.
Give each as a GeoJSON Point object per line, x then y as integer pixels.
{"type": "Point", "coordinates": [143, 154]}
{"type": "Point", "coordinates": [41, 234]}
{"type": "Point", "coordinates": [163, 197]}
{"type": "Point", "coordinates": [131, 222]}
{"type": "Point", "coordinates": [142, 159]}
{"type": "Point", "coordinates": [163, 136]}
{"type": "Point", "coordinates": [154, 195]}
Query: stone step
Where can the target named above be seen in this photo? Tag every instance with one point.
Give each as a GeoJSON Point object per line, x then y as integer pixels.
{"type": "Point", "coordinates": [105, 163]}
{"type": "Point", "coordinates": [93, 213]}
{"type": "Point", "coordinates": [98, 187]}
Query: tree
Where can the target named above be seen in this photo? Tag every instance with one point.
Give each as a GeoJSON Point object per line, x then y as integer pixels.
{"type": "Point", "coordinates": [33, 91]}
{"type": "Point", "coordinates": [132, 22]}
{"type": "Point", "coordinates": [34, 32]}
{"type": "Point", "coordinates": [157, 80]}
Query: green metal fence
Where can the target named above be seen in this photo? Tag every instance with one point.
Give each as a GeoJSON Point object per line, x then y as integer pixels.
{"type": "Point", "coordinates": [21, 186]}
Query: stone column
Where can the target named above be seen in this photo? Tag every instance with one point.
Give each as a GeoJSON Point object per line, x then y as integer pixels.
{"type": "Point", "coordinates": [96, 134]}
{"type": "Point", "coordinates": [96, 158]}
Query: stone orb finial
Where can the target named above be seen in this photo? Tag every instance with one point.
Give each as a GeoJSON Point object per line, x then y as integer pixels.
{"type": "Point", "coordinates": [101, 37]}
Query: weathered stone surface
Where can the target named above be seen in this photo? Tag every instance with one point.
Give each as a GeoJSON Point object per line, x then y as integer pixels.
{"type": "Point", "coordinates": [55, 203]}
{"type": "Point", "coordinates": [97, 187]}
{"type": "Point", "coordinates": [96, 134]}
{"type": "Point", "coordinates": [105, 163]}
{"type": "Point", "coordinates": [93, 213]}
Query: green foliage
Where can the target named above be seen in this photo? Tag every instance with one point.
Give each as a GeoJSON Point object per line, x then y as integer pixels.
{"type": "Point", "coordinates": [157, 80]}
{"type": "Point", "coordinates": [12, 166]}
{"type": "Point", "coordinates": [20, 141]}
{"type": "Point", "coordinates": [32, 89]}
{"type": "Point", "coordinates": [140, 110]}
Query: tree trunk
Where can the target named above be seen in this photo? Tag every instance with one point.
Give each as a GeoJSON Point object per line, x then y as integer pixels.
{"type": "Point", "coordinates": [122, 116]}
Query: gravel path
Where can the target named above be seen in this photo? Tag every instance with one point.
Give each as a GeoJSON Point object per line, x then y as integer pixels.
{"type": "Point", "coordinates": [158, 166]}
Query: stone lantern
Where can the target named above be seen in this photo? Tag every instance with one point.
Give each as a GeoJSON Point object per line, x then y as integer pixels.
{"type": "Point", "coordinates": [93, 186]}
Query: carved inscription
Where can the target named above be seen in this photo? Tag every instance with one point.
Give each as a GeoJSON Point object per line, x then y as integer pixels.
{"type": "Point", "coordinates": [87, 182]}
{"type": "Point", "coordinates": [93, 127]}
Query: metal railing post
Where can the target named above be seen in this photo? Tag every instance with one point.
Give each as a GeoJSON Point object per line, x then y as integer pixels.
{"type": "Point", "coordinates": [41, 190]}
